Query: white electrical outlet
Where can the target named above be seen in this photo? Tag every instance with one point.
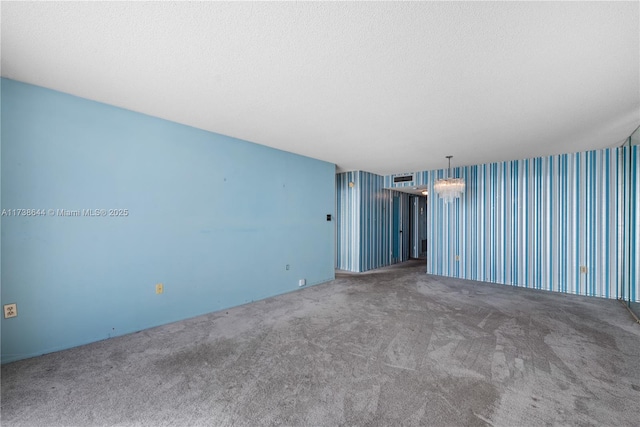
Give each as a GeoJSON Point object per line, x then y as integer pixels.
{"type": "Point", "coordinates": [302, 282]}
{"type": "Point", "coordinates": [10, 310]}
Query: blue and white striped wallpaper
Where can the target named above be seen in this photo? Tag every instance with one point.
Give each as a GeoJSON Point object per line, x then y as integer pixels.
{"type": "Point", "coordinates": [376, 210]}
{"type": "Point", "coordinates": [347, 222]}
{"type": "Point", "coordinates": [534, 222]}
{"type": "Point", "coordinates": [364, 222]}
{"type": "Point", "coordinates": [530, 223]}
{"type": "Point", "coordinates": [418, 206]}
{"type": "Point", "coordinates": [419, 179]}
{"type": "Point", "coordinates": [631, 284]}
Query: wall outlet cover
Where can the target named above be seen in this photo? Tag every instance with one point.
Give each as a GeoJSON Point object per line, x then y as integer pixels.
{"type": "Point", "coordinates": [159, 288]}
{"type": "Point", "coordinates": [302, 282]}
{"type": "Point", "coordinates": [10, 310]}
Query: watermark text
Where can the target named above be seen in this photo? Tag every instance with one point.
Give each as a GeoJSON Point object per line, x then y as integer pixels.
{"type": "Point", "coordinates": [58, 212]}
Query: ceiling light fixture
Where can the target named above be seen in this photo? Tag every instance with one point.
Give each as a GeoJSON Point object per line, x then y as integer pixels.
{"type": "Point", "coordinates": [424, 192]}
{"type": "Point", "coordinates": [449, 188]}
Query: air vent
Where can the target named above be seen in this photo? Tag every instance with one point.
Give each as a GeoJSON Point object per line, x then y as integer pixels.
{"type": "Point", "coordinates": [406, 178]}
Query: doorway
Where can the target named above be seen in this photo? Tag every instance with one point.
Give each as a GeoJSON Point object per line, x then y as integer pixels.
{"type": "Point", "coordinates": [418, 227]}
{"type": "Point", "coordinates": [396, 230]}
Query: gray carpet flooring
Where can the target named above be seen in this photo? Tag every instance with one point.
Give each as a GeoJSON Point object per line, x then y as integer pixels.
{"type": "Point", "coordinates": [392, 347]}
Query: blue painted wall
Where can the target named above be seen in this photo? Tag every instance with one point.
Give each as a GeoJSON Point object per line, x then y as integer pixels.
{"type": "Point", "coordinates": [213, 218]}
{"type": "Point", "coordinates": [364, 222]}
{"type": "Point", "coordinates": [534, 222]}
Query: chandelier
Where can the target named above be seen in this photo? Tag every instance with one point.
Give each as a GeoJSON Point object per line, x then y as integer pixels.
{"type": "Point", "coordinates": [449, 188]}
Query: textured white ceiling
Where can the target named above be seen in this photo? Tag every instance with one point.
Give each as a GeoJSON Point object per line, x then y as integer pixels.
{"type": "Point", "coordinates": [382, 87]}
